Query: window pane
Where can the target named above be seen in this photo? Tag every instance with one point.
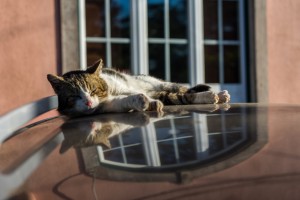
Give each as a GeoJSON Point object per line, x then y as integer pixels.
{"type": "Point", "coordinates": [187, 151]}
{"type": "Point", "coordinates": [157, 60]}
{"type": "Point", "coordinates": [132, 138]}
{"type": "Point", "coordinates": [231, 64]}
{"type": "Point", "coordinates": [167, 152]}
{"type": "Point", "coordinates": [236, 124]}
{"type": "Point", "coordinates": [230, 20]}
{"type": "Point", "coordinates": [214, 124]}
{"type": "Point", "coordinates": [95, 19]}
{"type": "Point", "coordinates": [210, 11]}
{"type": "Point", "coordinates": [215, 143]}
{"type": "Point", "coordinates": [179, 63]}
{"type": "Point", "coordinates": [135, 155]}
{"type": "Point", "coordinates": [119, 18]}
{"type": "Point", "coordinates": [211, 64]}
{"type": "Point", "coordinates": [114, 155]}
{"type": "Point", "coordinates": [178, 18]}
{"type": "Point", "coordinates": [95, 51]}
{"type": "Point", "coordinates": [156, 18]}
{"type": "Point", "coordinates": [233, 138]}
{"type": "Point", "coordinates": [121, 57]}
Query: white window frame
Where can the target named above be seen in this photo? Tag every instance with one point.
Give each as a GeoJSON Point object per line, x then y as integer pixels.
{"type": "Point", "coordinates": [139, 43]}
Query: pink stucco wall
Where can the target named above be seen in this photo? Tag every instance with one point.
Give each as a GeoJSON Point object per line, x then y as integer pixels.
{"type": "Point", "coordinates": [28, 51]}
{"type": "Point", "coordinates": [283, 26]}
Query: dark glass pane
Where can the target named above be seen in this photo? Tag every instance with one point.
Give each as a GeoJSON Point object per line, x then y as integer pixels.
{"type": "Point", "coordinates": [157, 60]}
{"type": "Point", "coordinates": [133, 138]}
{"type": "Point", "coordinates": [156, 18]}
{"type": "Point", "coordinates": [183, 127]}
{"type": "Point", "coordinates": [210, 12]}
{"type": "Point", "coordinates": [95, 18]}
{"type": "Point", "coordinates": [187, 151]}
{"type": "Point", "coordinates": [114, 155]}
{"type": "Point", "coordinates": [233, 138]}
{"type": "Point", "coordinates": [119, 18]}
{"type": "Point", "coordinates": [179, 63]}
{"type": "Point", "coordinates": [231, 64]}
{"type": "Point", "coordinates": [215, 143]}
{"type": "Point", "coordinates": [235, 124]}
{"type": "Point", "coordinates": [94, 52]}
{"type": "Point", "coordinates": [166, 152]}
{"type": "Point", "coordinates": [163, 130]}
{"type": "Point", "coordinates": [178, 18]}
{"type": "Point", "coordinates": [114, 142]}
{"type": "Point", "coordinates": [230, 20]}
{"type": "Point", "coordinates": [135, 155]}
{"type": "Point", "coordinates": [120, 57]}
{"type": "Point", "coordinates": [214, 124]}
{"type": "Point", "coordinates": [211, 64]}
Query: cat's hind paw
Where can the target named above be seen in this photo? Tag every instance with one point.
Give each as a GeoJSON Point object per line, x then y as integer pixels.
{"type": "Point", "coordinates": [156, 105]}
{"type": "Point", "coordinates": [207, 97]}
{"type": "Point", "coordinates": [224, 96]}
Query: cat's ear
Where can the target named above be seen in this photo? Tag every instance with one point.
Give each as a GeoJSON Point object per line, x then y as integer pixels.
{"type": "Point", "coordinates": [55, 81]}
{"type": "Point", "coordinates": [96, 68]}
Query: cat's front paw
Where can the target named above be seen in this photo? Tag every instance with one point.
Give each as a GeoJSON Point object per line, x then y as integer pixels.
{"type": "Point", "coordinates": [140, 102]}
{"type": "Point", "coordinates": [156, 105]}
{"type": "Point", "coordinates": [224, 96]}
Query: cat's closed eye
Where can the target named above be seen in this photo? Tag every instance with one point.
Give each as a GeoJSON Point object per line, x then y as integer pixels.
{"type": "Point", "coordinates": [94, 92]}
{"type": "Point", "coordinates": [71, 100]}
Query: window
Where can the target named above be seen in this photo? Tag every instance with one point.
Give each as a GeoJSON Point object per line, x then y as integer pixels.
{"type": "Point", "coordinates": [108, 32]}
{"type": "Point", "coordinates": [182, 41]}
{"type": "Point", "coordinates": [168, 43]}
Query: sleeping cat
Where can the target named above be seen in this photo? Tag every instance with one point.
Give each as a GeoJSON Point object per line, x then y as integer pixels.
{"type": "Point", "coordinates": [103, 90]}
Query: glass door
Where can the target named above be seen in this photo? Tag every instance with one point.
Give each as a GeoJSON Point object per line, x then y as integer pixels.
{"type": "Point", "coordinates": [182, 41]}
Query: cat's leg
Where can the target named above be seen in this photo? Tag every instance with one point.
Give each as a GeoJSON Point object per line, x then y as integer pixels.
{"type": "Point", "coordinates": [135, 102]}
{"type": "Point", "coordinates": [141, 102]}
{"type": "Point", "coordinates": [138, 102]}
{"type": "Point", "coordinates": [124, 103]}
{"type": "Point", "coordinates": [224, 96]}
{"type": "Point", "coordinates": [207, 97]}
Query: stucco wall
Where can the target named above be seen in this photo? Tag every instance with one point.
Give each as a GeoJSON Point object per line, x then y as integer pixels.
{"type": "Point", "coordinates": [283, 25]}
{"type": "Point", "coordinates": [28, 51]}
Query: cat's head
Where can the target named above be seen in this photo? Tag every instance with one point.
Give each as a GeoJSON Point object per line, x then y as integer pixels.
{"type": "Point", "coordinates": [85, 133]}
{"type": "Point", "coordinates": [79, 92]}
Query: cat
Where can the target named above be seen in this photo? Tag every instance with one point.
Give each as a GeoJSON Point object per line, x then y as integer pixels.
{"type": "Point", "coordinates": [103, 90]}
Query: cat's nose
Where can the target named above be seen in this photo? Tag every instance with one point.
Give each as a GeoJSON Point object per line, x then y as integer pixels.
{"type": "Point", "coordinates": [88, 104]}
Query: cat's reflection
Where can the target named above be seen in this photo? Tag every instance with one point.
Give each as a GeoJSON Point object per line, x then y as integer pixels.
{"type": "Point", "coordinates": [96, 130]}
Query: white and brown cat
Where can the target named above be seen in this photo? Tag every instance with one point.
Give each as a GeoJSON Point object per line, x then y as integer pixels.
{"type": "Point", "coordinates": [103, 90]}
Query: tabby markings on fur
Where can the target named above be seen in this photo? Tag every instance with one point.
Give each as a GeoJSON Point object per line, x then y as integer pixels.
{"type": "Point", "coordinates": [101, 90]}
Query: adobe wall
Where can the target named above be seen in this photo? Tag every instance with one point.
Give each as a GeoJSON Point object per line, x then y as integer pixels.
{"type": "Point", "coordinates": [283, 27]}
{"type": "Point", "coordinates": [28, 51]}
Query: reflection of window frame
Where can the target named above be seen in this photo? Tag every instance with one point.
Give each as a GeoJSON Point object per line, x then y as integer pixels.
{"type": "Point", "coordinates": [257, 46]}
{"type": "Point", "coordinates": [201, 141]}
